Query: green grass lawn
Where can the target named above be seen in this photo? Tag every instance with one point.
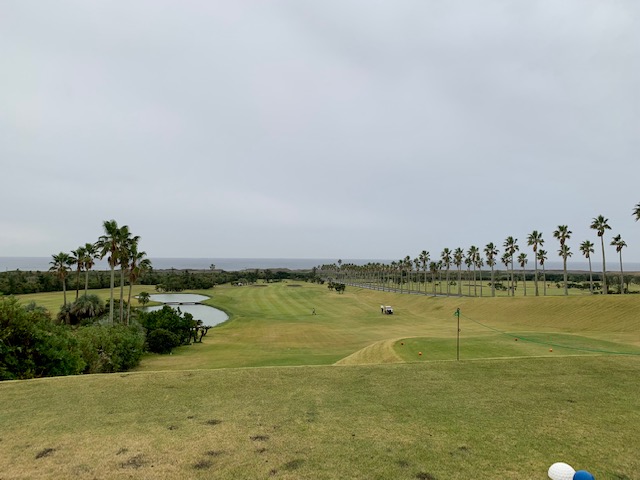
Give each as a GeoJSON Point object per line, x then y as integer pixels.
{"type": "Point", "coordinates": [508, 409]}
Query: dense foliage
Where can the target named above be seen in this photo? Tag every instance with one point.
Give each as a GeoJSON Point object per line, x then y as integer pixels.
{"type": "Point", "coordinates": [18, 282]}
{"type": "Point", "coordinates": [107, 349]}
{"type": "Point", "coordinates": [167, 328]}
{"type": "Point", "coordinates": [34, 345]}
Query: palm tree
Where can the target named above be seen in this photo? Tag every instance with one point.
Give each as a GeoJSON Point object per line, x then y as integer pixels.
{"type": "Point", "coordinates": [562, 233]}
{"type": "Point", "coordinates": [542, 257]}
{"type": "Point", "coordinates": [109, 246]}
{"type": "Point", "coordinates": [535, 240]}
{"type": "Point", "coordinates": [472, 254]}
{"type": "Point", "coordinates": [479, 262]}
{"type": "Point", "coordinates": [433, 268]}
{"type": "Point", "coordinates": [511, 247]}
{"type": "Point", "coordinates": [60, 265]}
{"type": "Point", "coordinates": [424, 260]}
{"type": "Point", "coordinates": [636, 212]}
{"type": "Point", "coordinates": [491, 252]}
{"type": "Point", "coordinates": [77, 259]}
{"type": "Point", "coordinates": [586, 248]}
{"type": "Point", "coordinates": [90, 254]}
{"type": "Point", "coordinates": [600, 224]}
{"type": "Point", "coordinates": [458, 258]}
{"type": "Point", "coordinates": [124, 257]}
{"type": "Point", "coordinates": [139, 264]}
{"type": "Point", "coordinates": [619, 244]}
{"type": "Point", "coordinates": [445, 256]}
{"type": "Point", "coordinates": [522, 260]}
{"type": "Point", "coordinates": [506, 260]}
{"type": "Point", "coordinates": [565, 252]}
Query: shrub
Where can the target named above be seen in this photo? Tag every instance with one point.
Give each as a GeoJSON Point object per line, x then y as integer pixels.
{"type": "Point", "coordinates": [31, 345]}
{"type": "Point", "coordinates": [162, 341]}
{"type": "Point", "coordinates": [174, 321]}
{"type": "Point", "coordinates": [107, 349]}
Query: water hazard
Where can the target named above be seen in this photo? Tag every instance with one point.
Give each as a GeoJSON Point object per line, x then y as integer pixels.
{"type": "Point", "coordinates": [188, 302]}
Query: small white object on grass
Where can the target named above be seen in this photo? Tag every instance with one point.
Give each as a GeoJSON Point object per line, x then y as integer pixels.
{"type": "Point", "coordinates": [561, 471]}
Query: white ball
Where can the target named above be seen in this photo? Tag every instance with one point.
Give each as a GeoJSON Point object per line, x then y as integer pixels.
{"type": "Point", "coordinates": [561, 471]}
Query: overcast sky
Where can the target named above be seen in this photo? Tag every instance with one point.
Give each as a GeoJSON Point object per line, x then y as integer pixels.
{"type": "Point", "coordinates": [319, 129]}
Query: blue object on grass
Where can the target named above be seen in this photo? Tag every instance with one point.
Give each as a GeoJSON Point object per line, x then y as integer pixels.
{"type": "Point", "coordinates": [583, 475]}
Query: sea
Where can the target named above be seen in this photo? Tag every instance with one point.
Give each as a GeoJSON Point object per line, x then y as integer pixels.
{"type": "Point", "coordinates": [238, 264]}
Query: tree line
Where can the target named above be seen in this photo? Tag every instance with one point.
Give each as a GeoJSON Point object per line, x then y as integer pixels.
{"type": "Point", "coordinates": [423, 269]}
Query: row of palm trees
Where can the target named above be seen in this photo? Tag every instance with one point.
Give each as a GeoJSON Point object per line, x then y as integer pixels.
{"type": "Point", "coordinates": [121, 249]}
{"type": "Point", "coordinates": [406, 268]}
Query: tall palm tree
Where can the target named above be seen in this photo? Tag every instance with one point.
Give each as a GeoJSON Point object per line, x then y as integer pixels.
{"type": "Point", "coordinates": [510, 248]}
{"type": "Point", "coordinates": [109, 246]}
{"type": "Point", "coordinates": [636, 212]}
{"type": "Point", "coordinates": [586, 248]}
{"type": "Point", "coordinates": [535, 240]}
{"type": "Point", "coordinates": [458, 258]}
{"type": "Point", "coordinates": [491, 252]}
{"type": "Point", "coordinates": [433, 268]}
{"type": "Point", "coordinates": [472, 255]}
{"type": "Point", "coordinates": [60, 265]}
{"type": "Point", "coordinates": [522, 260]}
{"type": "Point", "coordinates": [565, 252]}
{"type": "Point", "coordinates": [77, 259]}
{"type": "Point", "coordinates": [139, 264]}
{"type": "Point", "coordinates": [445, 256]}
{"type": "Point", "coordinates": [600, 225]}
{"type": "Point", "coordinates": [506, 260]}
{"type": "Point", "coordinates": [542, 257]}
{"type": "Point", "coordinates": [479, 262]}
{"type": "Point", "coordinates": [619, 243]}
{"type": "Point", "coordinates": [124, 257]}
{"type": "Point", "coordinates": [468, 261]}
{"type": "Point", "coordinates": [424, 260]}
{"type": "Point", "coordinates": [562, 233]}
{"type": "Point", "coordinates": [416, 263]}
{"type": "Point", "coordinates": [90, 254]}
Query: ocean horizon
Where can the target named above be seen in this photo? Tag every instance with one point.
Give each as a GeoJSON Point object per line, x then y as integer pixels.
{"type": "Point", "coordinates": [42, 264]}
{"type": "Point", "coordinates": [166, 263]}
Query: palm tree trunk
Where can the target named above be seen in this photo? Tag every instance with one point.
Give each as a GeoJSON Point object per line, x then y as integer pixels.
{"type": "Point", "coordinates": [111, 288]}
{"type": "Point", "coordinates": [564, 264]}
{"type": "Point", "coordinates": [121, 294]}
{"type": "Point", "coordinates": [129, 304]}
{"type": "Point", "coordinates": [535, 278]}
{"type": "Point", "coordinates": [86, 282]}
{"type": "Point", "coordinates": [513, 290]}
{"type": "Point", "coordinates": [493, 281]}
{"type": "Point", "coordinates": [544, 281]}
{"type": "Point", "coordinates": [604, 268]}
{"type": "Point", "coordinates": [524, 281]}
{"type": "Point", "coordinates": [621, 275]}
{"type": "Point", "coordinates": [590, 277]}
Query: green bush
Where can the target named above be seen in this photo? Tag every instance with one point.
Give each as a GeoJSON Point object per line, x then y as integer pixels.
{"type": "Point", "coordinates": [169, 319]}
{"type": "Point", "coordinates": [31, 345]}
{"type": "Point", "coordinates": [107, 349]}
{"type": "Point", "coordinates": [162, 341]}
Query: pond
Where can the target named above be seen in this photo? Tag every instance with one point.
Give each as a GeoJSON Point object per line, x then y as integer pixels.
{"type": "Point", "coordinates": [210, 316]}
